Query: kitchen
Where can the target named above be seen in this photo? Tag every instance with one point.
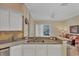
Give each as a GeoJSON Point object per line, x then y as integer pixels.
{"type": "Point", "coordinates": [27, 29]}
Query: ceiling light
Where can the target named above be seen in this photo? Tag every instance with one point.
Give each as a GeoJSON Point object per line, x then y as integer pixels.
{"type": "Point", "coordinates": [63, 4]}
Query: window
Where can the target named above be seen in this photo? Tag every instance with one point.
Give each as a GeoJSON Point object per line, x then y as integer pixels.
{"type": "Point", "coordinates": [42, 30]}
{"type": "Point", "coordinates": [46, 30]}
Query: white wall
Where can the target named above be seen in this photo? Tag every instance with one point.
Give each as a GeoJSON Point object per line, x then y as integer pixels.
{"type": "Point", "coordinates": [56, 27]}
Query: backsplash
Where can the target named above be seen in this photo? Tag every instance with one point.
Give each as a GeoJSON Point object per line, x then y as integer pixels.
{"type": "Point", "coordinates": [5, 35]}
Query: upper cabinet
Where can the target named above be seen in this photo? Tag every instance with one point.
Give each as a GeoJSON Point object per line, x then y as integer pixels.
{"type": "Point", "coordinates": [15, 20]}
{"type": "Point", "coordinates": [4, 19]}
{"type": "Point", "coordinates": [10, 20]}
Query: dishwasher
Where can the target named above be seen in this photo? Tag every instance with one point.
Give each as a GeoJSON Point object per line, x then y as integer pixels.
{"type": "Point", "coordinates": [5, 51]}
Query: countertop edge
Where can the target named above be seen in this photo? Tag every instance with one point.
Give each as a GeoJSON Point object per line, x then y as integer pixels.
{"type": "Point", "coordinates": [12, 44]}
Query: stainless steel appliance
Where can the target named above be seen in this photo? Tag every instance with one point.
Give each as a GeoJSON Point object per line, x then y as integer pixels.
{"type": "Point", "coordinates": [5, 51]}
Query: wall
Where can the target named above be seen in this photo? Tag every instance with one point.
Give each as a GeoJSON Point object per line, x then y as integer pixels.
{"type": "Point", "coordinates": [26, 16]}
{"type": "Point", "coordinates": [28, 28]}
{"type": "Point", "coordinates": [31, 27]}
{"type": "Point", "coordinates": [70, 22]}
{"type": "Point", "coordinates": [56, 26]}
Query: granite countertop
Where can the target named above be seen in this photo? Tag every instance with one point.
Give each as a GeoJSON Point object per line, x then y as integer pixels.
{"type": "Point", "coordinates": [62, 38]}
{"type": "Point", "coordinates": [58, 37]}
{"type": "Point", "coordinates": [44, 40]}
{"type": "Point", "coordinates": [44, 43]}
{"type": "Point", "coordinates": [8, 43]}
{"type": "Point", "coordinates": [14, 43]}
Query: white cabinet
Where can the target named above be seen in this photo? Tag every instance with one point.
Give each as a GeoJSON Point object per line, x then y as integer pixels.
{"type": "Point", "coordinates": [55, 50]}
{"type": "Point", "coordinates": [15, 20]}
{"type": "Point", "coordinates": [29, 50]}
{"type": "Point", "coordinates": [10, 20]}
{"type": "Point", "coordinates": [16, 50]}
{"type": "Point", "coordinates": [36, 50]}
{"type": "Point", "coordinates": [4, 19]}
{"type": "Point", "coordinates": [41, 50]}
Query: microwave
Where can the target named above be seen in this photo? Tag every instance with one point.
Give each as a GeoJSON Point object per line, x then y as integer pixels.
{"type": "Point", "coordinates": [74, 29]}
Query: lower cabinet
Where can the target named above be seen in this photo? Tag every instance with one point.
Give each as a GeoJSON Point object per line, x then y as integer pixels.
{"type": "Point", "coordinates": [55, 50]}
{"type": "Point", "coordinates": [41, 50]}
{"type": "Point", "coordinates": [36, 50]}
{"type": "Point", "coordinates": [28, 50]}
{"type": "Point", "coordinates": [16, 50]}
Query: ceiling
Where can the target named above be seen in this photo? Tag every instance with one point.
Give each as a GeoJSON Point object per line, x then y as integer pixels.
{"type": "Point", "coordinates": [53, 11]}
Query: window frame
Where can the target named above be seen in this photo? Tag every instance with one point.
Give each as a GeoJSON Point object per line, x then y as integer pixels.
{"type": "Point", "coordinates": [41, 35]}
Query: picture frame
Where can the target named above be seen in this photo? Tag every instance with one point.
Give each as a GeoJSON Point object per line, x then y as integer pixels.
{"type": "Point", "coordinates": [74, 29]}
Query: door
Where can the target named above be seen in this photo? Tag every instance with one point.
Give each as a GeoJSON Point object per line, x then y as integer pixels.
{"type": "Point", "coordinates": [15, 20]}
{"type": "Point", "coordinates": [16, 50]}
{"type": "Point", "coordinates": [41, 50]}
{"type": "Point", "coordinates": [4, 19]}
{"type": "Point", "coordinates": [55, 50]}
{"type": "Point", "coordinates": [28, 50]}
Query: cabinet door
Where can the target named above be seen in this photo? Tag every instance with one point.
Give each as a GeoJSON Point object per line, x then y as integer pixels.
{"type": "Point", "coordinates": [55, 50]}
{"type": "Point", "coordinates": [15, 20]}
{"type": "Point", "coordinates": [28, 50]}
{"type": "Point", "coordinates": [16, 50]}
{"type": "Point", "coordinates": [4, 19]}
{"type": "Point", "coordinates": [41, 50]}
